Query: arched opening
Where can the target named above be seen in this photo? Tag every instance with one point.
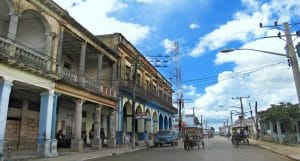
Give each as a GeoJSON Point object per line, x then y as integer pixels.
{"type": "Point", "coordinates": [127, 119]}
{"type": "Point", "coordinates": [155, 122]}
{"type": "Point", "coordinates": [148, 122]}
{"type": "Point", "coordinates": [170, 123]}
{"type": "Point", "coordinates": [161, 122]}
{"type": "Point", "coordinates": [32, 30]}
{"type": "Point", "coordinates": [139, 123]}
{"type": "Point", "coordinates": [166, 123]}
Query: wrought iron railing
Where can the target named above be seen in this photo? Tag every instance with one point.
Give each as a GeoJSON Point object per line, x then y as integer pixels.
{"type": "Point", "coordinates": [127, 85]}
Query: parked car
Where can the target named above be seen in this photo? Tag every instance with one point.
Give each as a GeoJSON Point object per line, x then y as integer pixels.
{"type": "Point", "coordinates": [166, 137]}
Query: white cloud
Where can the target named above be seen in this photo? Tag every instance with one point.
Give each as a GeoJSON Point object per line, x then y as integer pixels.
{"type": "Point", "coordinates": [269, 84]}
{"type": "Point", "coordinates": [189, 90]}
{"type": "Point", "coordinates": [146, 1]}
{"type": "Point", "coordinates": [194, 26]}
{"type": "Point", "coordinates": [168, 45]}
{"type": "Point", "coordinates": [244, 25]}
{"type": "Point", "coordinates": [101, 23]}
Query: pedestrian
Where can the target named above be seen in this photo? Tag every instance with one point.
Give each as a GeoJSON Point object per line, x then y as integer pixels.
{"type": "Point", "coordinates": [84, 137]}
{"type": "Point", "coordinates": [127, 139]}
{"type": "Point", "coordinates": [102, 135]}
{"type": "Point", "coordinates": [146, 138]}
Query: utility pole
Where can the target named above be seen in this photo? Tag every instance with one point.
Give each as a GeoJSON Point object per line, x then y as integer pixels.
{"type": "Point", "coordinates": [136, 63]}
{"type": "Point", "coordinates": [242, 109]}
{"type": "Point", "coordinates": [231, 120]}
{"type": "Point", "coordinates": [201, 122]}
{"type": "Point", "coordinates": [291, 52]}
{"type": "Point", "coordinates": [180, 119]}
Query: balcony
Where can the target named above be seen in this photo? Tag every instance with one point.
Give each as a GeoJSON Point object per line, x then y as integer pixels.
{"type": "Point", "coordinates": [25, 58]}
{"type": "Point", "coordinates": [86, 83]}
{"type": "Point", "coordinates": [29, 60]}
{"type": "Point", "coordinates": [148, 95]}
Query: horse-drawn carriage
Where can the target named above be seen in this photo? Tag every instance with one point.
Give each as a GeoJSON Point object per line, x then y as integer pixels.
{"type": "Point", "coordinates": [240, 135]}
{"type": "Point", "coordinates": [193, 137]}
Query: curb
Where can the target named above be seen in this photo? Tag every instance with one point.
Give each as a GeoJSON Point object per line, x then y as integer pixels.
{"type": "Point", "coordinates": [291, 156]}
{"type": "Point", "coordinates": [113, 153]}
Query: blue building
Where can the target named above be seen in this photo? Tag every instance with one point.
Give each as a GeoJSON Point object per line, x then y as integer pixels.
{"type": "Point", "coordinates": [153, 92]}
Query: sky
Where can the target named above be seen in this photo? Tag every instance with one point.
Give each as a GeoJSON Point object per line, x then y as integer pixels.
{"type": "Point", "coordinates": [202, 28]}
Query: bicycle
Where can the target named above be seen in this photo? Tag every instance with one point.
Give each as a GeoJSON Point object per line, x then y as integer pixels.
{"type": "Point", "coordinates": [8, 156]}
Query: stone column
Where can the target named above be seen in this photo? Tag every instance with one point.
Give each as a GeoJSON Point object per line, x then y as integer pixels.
{"type": "Point", "coordinates": [114, 75]}
{"type": "Point", "coordinates": [48, 49]}
{"type": "Point", "coordinates": [99, 69]}
{"type": "Point", "coordinates": [45, 125]}
{"type": "Point", "coordinates": [77, 142]}
{"type": "Point", "coordinates": [23, 127]}
{"type": "Point", "coordinates": [59, 62]}
{"type": "Point", "coordinates": [82, 58]}
{"type": "Point", "coordinates": [112, 131]}
{"type": "Point", "coordinates": [54, 120]}
{"type": "Point", "coordinates": [5, 89]}
{"type": "Point", "coordinates": [97, 142]}
{"type": "Point", "coordinates": [13, 25]}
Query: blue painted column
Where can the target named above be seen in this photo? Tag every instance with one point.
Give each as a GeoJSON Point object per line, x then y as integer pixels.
{"type": "Point", "coordinates": [53, 149]}
{"type": "Point", "coordinates": [5, 89]}
{"type": "Point", "coordinates": [45, 122]}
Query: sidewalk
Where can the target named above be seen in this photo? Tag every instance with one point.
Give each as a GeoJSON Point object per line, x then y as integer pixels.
{"type": "Point", "coordinates": [290, 151]}
{"type": "Point", "coordinates": [75, 156]}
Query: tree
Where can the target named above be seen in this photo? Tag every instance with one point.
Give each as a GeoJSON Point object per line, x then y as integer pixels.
{"type": "Point", "coordinates": [283, 112]}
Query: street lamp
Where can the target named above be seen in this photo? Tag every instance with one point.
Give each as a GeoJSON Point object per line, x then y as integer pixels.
{"type": "Point", "coordinates": [262, 51]}
{"type": "Point", "coordinates": [291, 54]}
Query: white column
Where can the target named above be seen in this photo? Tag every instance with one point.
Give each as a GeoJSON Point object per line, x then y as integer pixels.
{"type": "Point", "coordinates": [45, 124]}
{"type": "Point", "coordinates": [279, 135]}
{"type": "Point", "coordinates": [5, 89]}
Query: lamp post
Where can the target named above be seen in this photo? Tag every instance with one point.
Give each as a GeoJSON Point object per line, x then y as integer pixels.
{"type": "Point", "coordinates": [291, 54]}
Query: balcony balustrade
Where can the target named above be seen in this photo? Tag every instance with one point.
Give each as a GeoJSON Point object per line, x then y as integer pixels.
{"type": "Point", "coordinates": [127, 85]}
{"type": "Point", "coordinates": [30, 60]}
{"type": "Point", "coordinates": [84, 82]}
{"type": "Point", "coordinates": [25, 58]}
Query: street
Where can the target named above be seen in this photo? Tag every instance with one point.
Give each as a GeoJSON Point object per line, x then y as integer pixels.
{"type": "Point", "coordinates": [217, 149]}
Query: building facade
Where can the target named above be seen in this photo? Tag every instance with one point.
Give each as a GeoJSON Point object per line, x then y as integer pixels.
{"type": "Point", "coordinates": [54, 76]}
{"type": "Point", "coordinates": [152, 91]}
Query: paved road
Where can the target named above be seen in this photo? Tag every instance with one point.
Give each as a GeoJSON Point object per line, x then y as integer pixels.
{"type": "Point", "coordinates": [217, 149]}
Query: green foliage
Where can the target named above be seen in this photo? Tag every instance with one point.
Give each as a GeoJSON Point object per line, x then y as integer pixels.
{"type": "Point", "coordinates": [281, 112]}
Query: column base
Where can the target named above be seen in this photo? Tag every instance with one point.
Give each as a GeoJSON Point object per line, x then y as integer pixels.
{"type": "Point", "coordinates": [44, 148]}
{"type": "Point", "coordinates": [96, 144]}
{"type": "Point", "coordinates": [54, 147]}
{"type": "Point", "coordinates": [77, 145]}
{"type": "Point", "coordinates": [2, 146]}
{"type": "Point", "coordinates": [111, 142]}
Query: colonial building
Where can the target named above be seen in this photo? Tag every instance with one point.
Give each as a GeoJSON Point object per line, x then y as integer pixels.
{"type": "Point", "coordinates": [152, 91]}
{"type": "Point", "coordinates": [54, 75]}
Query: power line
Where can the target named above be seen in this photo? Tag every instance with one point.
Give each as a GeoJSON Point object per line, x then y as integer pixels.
{"type": "Point", "coordinates": [233, 75]}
